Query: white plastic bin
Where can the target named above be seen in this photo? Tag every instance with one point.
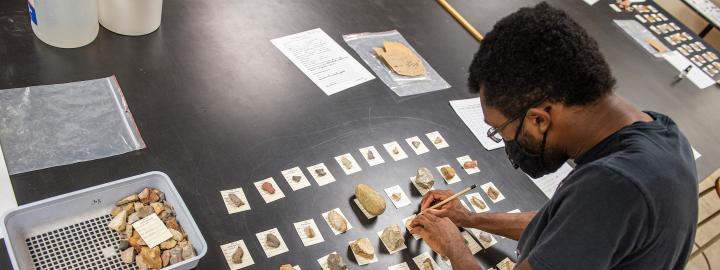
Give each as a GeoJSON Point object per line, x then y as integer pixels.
{"type": "Point", "coordinates": [64, 23]}
{"type": "Point", "coordinates": [130, 17]}
{"type": "Point", "coordinates": [69, 231]}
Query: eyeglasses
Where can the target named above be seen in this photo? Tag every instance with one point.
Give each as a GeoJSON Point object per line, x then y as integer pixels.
{"type": "Point", "coordinates": [494, 133]}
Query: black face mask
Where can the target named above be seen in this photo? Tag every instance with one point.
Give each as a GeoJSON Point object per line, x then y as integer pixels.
{"type": "Point", "coordinates": [533, 164]}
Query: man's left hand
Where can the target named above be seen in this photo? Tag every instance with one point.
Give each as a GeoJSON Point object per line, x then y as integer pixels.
{"type": "Point", "coordinates": [440, 234]}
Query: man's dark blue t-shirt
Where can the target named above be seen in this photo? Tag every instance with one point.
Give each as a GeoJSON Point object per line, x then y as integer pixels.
{"type": "Point", "coordinates": [630, 203]}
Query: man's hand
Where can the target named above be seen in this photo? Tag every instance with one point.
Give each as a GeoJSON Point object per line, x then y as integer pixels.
{"type": "Point", "coordinates": [453, 210]}
{"type": "Point", "coordinates": [440, 234]}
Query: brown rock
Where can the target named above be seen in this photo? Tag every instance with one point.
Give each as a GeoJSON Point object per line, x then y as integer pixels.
{"type": "Point", "coordinates": [171, 243]}
{"type": "Point", "coordinates": [424, 178]}
{"type": "Point", "coordinates": [392, 237]}
{"type": "Point", "coordinates": [493, 193]}
{"type": "Point", "coordinates": [128, 255]}
{"type": "Point", "coordinates": [145, 211]}
{"type": "Point", "coordinates": [286, 267]}
{"type": "Point", "coordinates": [320, 172]}
{"type": "Point", "coordinates": [396, 197]}
{"type": "Point", "coordinates": [470, 164]}
{"type": "Point", "coordinates": [272, 241]}
{"type": "Point", "coordinates": [126, 200]}
{"type": "Point", "coordinates": [152, 257]}
{"type": "Point", "coordinates": [371, 200]}
{"type": "Point", "coordinates": [478, 202]}
{"type": "Point", "coordinates": [176, 255]}
{"type": "Point", "coordinates": [172, 224]}
{"type": "Point", "coordinates": [237, 257]}
{"type": "Point", "coordinates": [155, 195]}
{"type": "Point", "coordinates": [335, 262]}
{"type": "Point", "coordinates": [187, 251]}
{"type": "Point", "coordinates": [447, 172]}
{"type": "Point", "coordinates": [401, 59]}
{"type": "Point", "coordinates": [296, 178]}
{"type": "Point", "coordinates": [144, 196]}
{"type": "Point", "coordinates": [134, 241]}
{"type": "Point", "coordinates": [165, 258]}
{"type": "Point", "coordinates": [268, 187]}
{"type": "Point", "coordinates": [370, 155]}
{"type": "Point", "coordinates": [157, 207]}
{"type": "Point", "coordinates": [363, 248]}
{"type": "Point", "coordinates": [396, 150]}
{"type": "Point", "coordinates": [138, 206]}
{"type": "Point", "coordinates": [177, 236]}
{"type": "Point", "coordinates": [438, 140]}
{"type": "Point", "coordinates": [346, 163]}
{"type": "Point", "coordinates": [309, 232]}
{"type": "Point", "coordinates": [337, 221]}
{"type": "Point", "coordinates": [427, 264]}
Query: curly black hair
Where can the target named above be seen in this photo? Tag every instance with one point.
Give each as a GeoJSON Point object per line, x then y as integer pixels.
{"type": "Point", "coordinates": [537, 54]}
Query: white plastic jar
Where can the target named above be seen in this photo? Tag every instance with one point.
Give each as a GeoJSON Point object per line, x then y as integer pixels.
{"type": "Point", "coordinates": [64, 23]}
{"type": "Point", "coordinates": [130, 17]}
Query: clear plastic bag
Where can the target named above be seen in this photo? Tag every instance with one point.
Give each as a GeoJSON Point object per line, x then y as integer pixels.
{"type": "Point", "coordinates": [52, 125]}
{"type": "Point", "coordinates": [363, 44]}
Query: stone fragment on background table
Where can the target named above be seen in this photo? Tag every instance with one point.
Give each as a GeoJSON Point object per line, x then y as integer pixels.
{"type": "Point", "coordinates": [371, 200]}
{"type": "Point", "coordinates": [396, 150]}
{"type": "Point", "coordinates": [235, 200]}
{"type": "Point", "coordinates": [237, 256]}
{"type": "Point", "coordinates": [363, 248]}
{"type": "Point", "coordinates": [337, 221]}
{"type": "Point", "coordinates": [118, 222]}
{"type": "Point", "coordinates": [424, 178]}
{"type": "Point", "coordinates": [272, 241]}
{"type": "Point", "coordinates": [335, 262]}
{"type": "Point", "coordinates": [128, 255]}
{"type": "Point", "coordinates": [268, 187]}
{"type": "Point", "coordinates": [126, 200]}
{"type": "Point", "coordinates": [447, 172]}
{"type": "Point", "coordinates": [396, 197]}
{"type": "Point", "coordinates": [438, 140]}
{"type": "Point", "coordinates": [392, 237]}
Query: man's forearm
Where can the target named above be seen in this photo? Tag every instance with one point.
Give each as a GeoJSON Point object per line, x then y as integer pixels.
{"type": "Point", "coordinates": [461, 258]}
{"type": "Point", "coordinates": [510, 225]}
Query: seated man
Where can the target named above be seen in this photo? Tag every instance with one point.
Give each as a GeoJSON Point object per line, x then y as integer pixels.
{"type": "Point", "coordinates": [630, 202]}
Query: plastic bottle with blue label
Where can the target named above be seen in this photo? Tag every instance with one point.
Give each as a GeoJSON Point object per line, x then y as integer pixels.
{"type": "Point", "coordinates": [64, 23]}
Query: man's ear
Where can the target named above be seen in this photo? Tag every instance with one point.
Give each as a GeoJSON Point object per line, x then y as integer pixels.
{"type": "Point", "coordinates": [538, 118]}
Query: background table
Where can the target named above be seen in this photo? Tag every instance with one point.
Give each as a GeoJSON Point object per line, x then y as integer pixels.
{"type": "Point", "coordinates": [219, 107]}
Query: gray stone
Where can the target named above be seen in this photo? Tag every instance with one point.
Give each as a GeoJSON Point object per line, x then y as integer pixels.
{"type": "Point", "coordinates": [176, 255]}
{"type": "Point", "coordinates": [392, 237]}
{"type": "Point", "coordinates": [335, 262]}
{"type": "Point", "coordinates": [346, 163]}
{"type": "Point", "coordinates": [296, 178]}
{"type": "Point", "coordinates": [236, 201]}
{"type": "Point", "coordinates": [416, 144]}
{"type": "Point", "coordinates": [188, 251]}
{"type": "Point", "coordinates": [424, 178]}
{"type": "Point", "coordinates": [237, 257]}
{"type": "Point", "coordinates": [320, 172]}
{"type": "Point", "coordinates": [271, 240]}
{"type": "Point", "coordinates": [123, 243]}
{"type": "Point", "coordinates": [370, 155]}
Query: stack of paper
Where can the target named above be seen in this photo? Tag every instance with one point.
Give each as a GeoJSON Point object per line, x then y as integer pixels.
{"type": "Point", "coordinates": [471, 113]}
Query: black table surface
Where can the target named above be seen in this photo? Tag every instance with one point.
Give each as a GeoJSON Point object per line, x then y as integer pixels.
{"type": "Point", "coordinates": [219, 108]}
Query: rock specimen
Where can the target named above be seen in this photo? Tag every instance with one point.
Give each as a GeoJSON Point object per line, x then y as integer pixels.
{"type": "Point", "coordinates": [235, 200]}
{"type": "Point", "coordinates": [424, 178]}
{"type": "Point", "coordinates": [346, 163]}
{"type": "Point", "coordinates": [478, 202]}
{"type": "Point", "coordinates": [320, 172]}
{"type": "Point", "coordinates": [438, 140]}
{"type": "Point", "coordinates": [118, 222]}
{"type": "Point", "coordinates": [309, 232]}
{"type": "Point", "coordinates": [447, 172]}
{"type": "Point", "coordinates": [335, 262]}
{"type": "Point", "coordinates": [484, 236]}
{"type": "Point", "coordinates": [492, 193]}
{"type": "Point", "coordinates": [272, 241]}
{"type": "Point", "coordinates": [401, 59]}
{"type": "Point", "coordinates": [470, 164]}
{"type": "Point", "coordinates": [133, 249]}
{"type": "Point", "coordinates": [392, 237]}
{"type": "Point", "coordinates": [363, 248]}
{"type": "Point", "coordinates": [396, 150]}
{"type": "Point", "coordinates": [337, 221]}
{"type": "Point", "coordinates": [286, 267]}
{"type": "Point", "coordinates": [427, 264]}
{"type": "Point", "coordinates": [370, 155]}
{"type": "Point", "coordinates": [268, 187]}
{"type": "Point", "coordinates": [396, 197]}
{"type": "Point", "coordinates": [237, 257]}
{"type": "Point", "coordinates": [296, 178]}
{"type": "Point", "coordinates": [370, 199]}
{"type": "Point", "coordinates": [416, 144]}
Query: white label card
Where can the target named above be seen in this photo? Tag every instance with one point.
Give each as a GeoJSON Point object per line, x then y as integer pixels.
{"type": "Point", "coordinates": [464, 159]}
{"type": "Point", "coordinates": [152, 230]}
{"type": "Point", "coordinates": [486, 187]}
{"type": "Point", "coordinates": [476, 206]}
{"type": "Point", "coordinates": [336, 232]}
{"type": "Point", "coordinates": [327, 64]}
{"type": "Point", "coordinates": [321, 174]}
{"type": "Point", "coordinates": [348, 164]}
{"type": "Point", "coordinates": [301, 226]}
{"type": "Point", "coordinates": [232, 209]}
{"type": "Point", "coordinates": [437, 140]}
{"type": "Point", "coordinates": [425, 257]}
{"type": "Point", "coordinates": [295, 178]}
{"type": "Point", "coordinates": [371, 155]}
{"type": "Point", "coordinates": [397, 196]}
{"type": "Point", "coordinates": [399, 266]}
{"type": "Point", "coordinates": [470, 111]}
{"type": "Point", "coordinates": [396, 152]}
{"type": "Point", "coordinates": [267, 196]}
{"type": "Point", "coordinates": [417, 145]}
{"type": "Point", "coordinates": [271, 251]}
{"type": "Point", "coordinates": [453, 180]}
{"type": "Point", "coordinates": [229, 249]}
{"type": "Point", "coordinates": [471, 243]}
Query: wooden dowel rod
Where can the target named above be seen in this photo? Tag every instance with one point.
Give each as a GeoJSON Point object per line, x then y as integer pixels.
{"type": "Point", "coordinates": [459, 18]}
